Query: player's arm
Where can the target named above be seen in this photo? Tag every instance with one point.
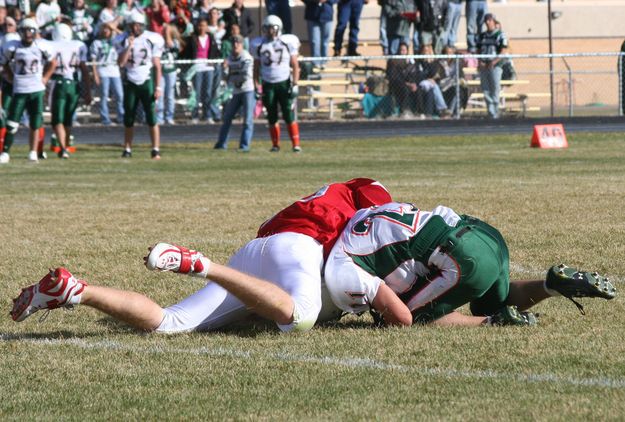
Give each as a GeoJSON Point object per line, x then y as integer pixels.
{"type": "Point", "coordinates": [295, 67]}
{"type": "Point", "coordinates": [391, 308]}
{"type": "Point", "coordinates": [49, 70]}
{"type": "Point", "coordinates": [86, 80]}
{"type": "Point", "coordinates": [257, 74]}
{"type": "Point", "coordinates": [156, 61]}
{"type": "Point", "coordinates": [125, 55]}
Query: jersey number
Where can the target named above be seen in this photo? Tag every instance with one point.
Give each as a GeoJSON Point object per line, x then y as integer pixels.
{"type": "Point", "coordinates": [143, 61]}
{"type": "Point", "coordinates": [267, 57]}
{"type": "Point", "coordinates": [73, 62]}
{"type": "Point", "coordinates": [22, 69]}
{"type": "Point", "coordinates": [404, 218]}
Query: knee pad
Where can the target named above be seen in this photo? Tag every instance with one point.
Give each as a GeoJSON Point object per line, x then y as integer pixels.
{"type": "Point", "coordinates": [12, 127]}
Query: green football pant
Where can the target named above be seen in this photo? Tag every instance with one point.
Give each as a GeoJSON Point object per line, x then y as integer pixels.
{"type": "Point", "coordinates": [482, 260]}
{"type": "Point", "coordinates": [278, 95]}
{"type": "Point", "coordinates": [7, 96]}
{"type": "Point", "coordinates": [33, 103]}
{"type": "Point", "coordinates": [64, 101]}
{"type": "Point", "coordinates": [135, 94]}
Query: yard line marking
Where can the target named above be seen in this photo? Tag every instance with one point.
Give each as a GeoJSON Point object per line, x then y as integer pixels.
{"type": "Point", "coordinates": [356, 363]}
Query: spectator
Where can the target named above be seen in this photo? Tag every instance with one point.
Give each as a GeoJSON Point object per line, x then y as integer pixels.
{"type": "Point", "coordinates": [451, 76]}
{"type": "Point", "coordinates": [319, 16]}
{"type": "Point", "coordinates": [216, 26]}
{"type": "Point", "coordinates": [201, 10]}
{"type": "Point", "coordinates": [432, 23]}
{"type": "Point", "coordinates": [158, 16]}
{"type": "Point", "coordinates": [180, 9]}
{"type": "Point", "coordinates": [227, 44]}
{"type": "Point", "coordinates": [9, 27]}
{"type": "Point", "coordinates": [48, 14]}
{"type": "Point", "coordinates": [397, 23]}
{"type": "Point", "coordinates": [242, 16]}
{"type": "Point", "coordinates": [166, 104]}
{"type": "Point", "coordinates": [452, 20]}
{"type": "Point", "coordinates": [240, 68]}
{"type": "Point", "coordinates": [493, 42]}
{"type": "Point", "coordinates": [126, 8]}
{"type": "Point", "coordinates": [402, 75]}
{"type": "Point", "coordinates": [348, 12]}
{"type": "Point", "coordinates": [110, 15]}
{"type": "Point", "coordinates": [281, 9]}
{"type": "Point", "coordinates": [430, 93]}
{"type": "Point", "coordinates": [3, 16]}
{"type": "Point", "coordinates": [202, 45]}
{"type": "Point", "coordinates": [475, 11]}
{"type": "Point", "coordinates": [106, 73]}
{"type": "Point", "coordinates": [383, 33]}
{"type": "Point", "coordinates": [82, 21]}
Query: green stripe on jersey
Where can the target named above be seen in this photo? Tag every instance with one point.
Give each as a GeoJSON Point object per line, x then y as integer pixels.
{"type": "Point", "coordinates": [383, 261]}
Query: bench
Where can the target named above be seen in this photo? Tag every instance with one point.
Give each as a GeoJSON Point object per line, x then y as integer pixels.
{"type": "Point", "coordinates": [477, 100]}
{"type": "Point", "coordinates": [324, 82]}
{"type": "Point", "coordinates": [347, 98]}
{"type": "Point", "coordinates": [513, 82]}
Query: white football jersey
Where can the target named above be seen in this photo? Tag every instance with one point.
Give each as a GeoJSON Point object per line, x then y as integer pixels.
{"type": "Point", "coordinates": [27, 64]}
{"type": "Point", "coordinates": [241, 72]}
{"type": "Point", "coordinates": [69, 55]}
{"type": "Point", "coordinates": [375, 247]}
{"type": "Point", "coordinates": [275, 56]}
{"type": "Point", "coordinates": [149, 45]}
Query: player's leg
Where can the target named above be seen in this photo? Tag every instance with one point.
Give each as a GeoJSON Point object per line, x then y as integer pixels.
{"type": "Point", "coordinates": [130, 108]}
{"type": "Point", "coordinates": [270, 101]}
{"type": "Point", "coordinates": [72, 99]}
{"type": "Point", "coordinates": [7, 95]}
{"type": "Point", "coordinates": [16, 109]}
{"type": "Point", "coordinates": [59, 107]}
{"type": "Point", "coordinates": [34, 107]}
{"type": "Point", "coordinates": [286, 104]}
{"type": "Point", "coordinates": [146, 96]}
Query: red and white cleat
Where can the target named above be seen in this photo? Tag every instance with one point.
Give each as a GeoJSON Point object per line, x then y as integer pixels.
{"type": "Point", "coordinates": [177, 259]}
{"type": "Point", "coordinates": [59, 288]}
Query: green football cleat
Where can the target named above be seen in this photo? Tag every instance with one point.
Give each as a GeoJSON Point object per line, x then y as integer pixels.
{"type": "Point", "coordinates": [571, 283]}
{"type": "Point", "coordinates": [510, 315]}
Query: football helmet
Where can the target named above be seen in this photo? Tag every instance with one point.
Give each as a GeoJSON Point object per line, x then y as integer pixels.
{"type": "Point", "coordinates": [62, 32]}
{"type": "Point", "coordinates": [272, 21]}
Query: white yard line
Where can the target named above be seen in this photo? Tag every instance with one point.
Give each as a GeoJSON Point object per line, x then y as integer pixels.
{"type": "Point", "coordinates": [356, 363]}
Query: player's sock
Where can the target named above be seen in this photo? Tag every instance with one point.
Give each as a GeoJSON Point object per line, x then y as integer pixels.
{"type": "Point", "coordinates": [42, 138]}
{"type": "Point", "coordinates": [274, 132]}
{"type": "Point", "coordinates": [294, 133]}
{"type": "Point", "coordinates": [3, 132]}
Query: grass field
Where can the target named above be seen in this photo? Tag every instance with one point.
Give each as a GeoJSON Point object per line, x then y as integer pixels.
{"type": "Point", "coordinates": [96, 214]}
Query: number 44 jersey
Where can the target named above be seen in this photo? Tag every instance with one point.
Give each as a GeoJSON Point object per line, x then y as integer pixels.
{"type": "Point", "coordinates": [69, 55]}
{"type": "Point", "coordinates": [275, 56]}
{"type": "Point", "coordinates": [146, 47]}
{"type": "Point", "coordinates": [27, 63]}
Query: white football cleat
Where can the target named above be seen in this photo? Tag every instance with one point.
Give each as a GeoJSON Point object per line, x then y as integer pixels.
{"type": "Point", "coordinates": [5, 158]}
{"type": "Point", "coordinates": [177, 259]}
{"type": "Point", "coordinates": [33, 157]}
{"type": "Point", "coordinates": [59, 288]}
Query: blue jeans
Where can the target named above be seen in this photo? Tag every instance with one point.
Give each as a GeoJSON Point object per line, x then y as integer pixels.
{"type": "Point", "coordinates": [452, 21]}
{"type": "Point", "coordinates": [319, 38]}
{"type": "Point", "coordinates": [281, 9]}
{"type": "Point", "coordinates": [348, 12]}
{"type": "Point", "coordinates": [246, 101]}
{"type": "Point", "coordinates": [393, 44]}
{"type": "Point", "coordinates": [105, 85]}
{"type": "Point", "coordinates": [475, 11]}
{"type": "Point", "coordinates": [490, 82]}
{"type": "Point", "coordinates": [383, 35]}
{"type": "Point", "coordinates": [433, 99]}
{"type": "Point", "coordinates": [166, 104]}
{"type": "Point", "coordinates": [203, 86]}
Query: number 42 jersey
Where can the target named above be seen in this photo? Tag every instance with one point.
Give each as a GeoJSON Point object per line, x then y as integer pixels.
{"type": "Point", "coordinates": [27, 63]}
{"type": "Point", "coordinates": [146, 47]}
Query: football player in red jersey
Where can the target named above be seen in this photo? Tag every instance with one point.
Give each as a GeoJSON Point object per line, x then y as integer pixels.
{"type": "Point", "coordinates": [277, 275]}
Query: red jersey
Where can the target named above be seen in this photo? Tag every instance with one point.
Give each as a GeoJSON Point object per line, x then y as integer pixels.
{"type": "Point", "coordinates": [324, 214]}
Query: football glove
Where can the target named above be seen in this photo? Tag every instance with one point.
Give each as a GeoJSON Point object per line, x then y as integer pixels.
{"type": "Point", "coordinates": [294, 91]}
{"type": "Point", "coordinates": [510, 315]}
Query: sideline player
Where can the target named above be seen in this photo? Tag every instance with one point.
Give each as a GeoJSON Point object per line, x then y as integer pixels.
{"type": "Point", "coordinates": [28, 64]}
{"type": "Point", "coordinates": [139, 51]}
{"type": "Point", "coordinates": [71, 55]}
{"type": "Point", "coordinates": [288, 252]}
{"type": "Point", "coordinates": [275, 54]}
{"type": "Point", "coordinates": [6, 87]}
{"type": "Point", "coordinates": [408, 263]}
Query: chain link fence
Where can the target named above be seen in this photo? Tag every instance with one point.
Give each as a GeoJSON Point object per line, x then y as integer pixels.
{"type": "Point", "coordinates": [421, 87]}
